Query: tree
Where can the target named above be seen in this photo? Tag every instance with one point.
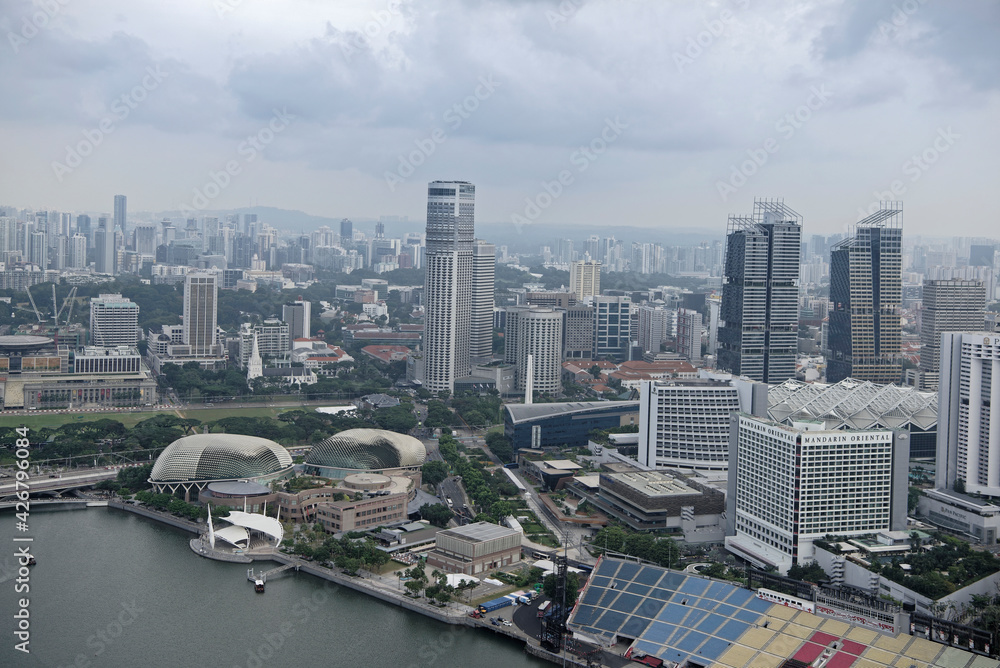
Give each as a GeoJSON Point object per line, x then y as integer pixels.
{"type": "Point", "coordinates": [959, 486]}
{"type": "Point", "coordinates": [501, 510]}
{"type": "Point", "coordinates": [500, 446]}
{"type": "Point", "coordinates": [811, 572]}
{"type": "Point", "coordinates": [434, 472]}
{"type": "Point", "coordinates": [572, 588]}
{"type": "Point", "coordinates": [415, 586]}
{"type": "Point", "coordinates": [437, 514]}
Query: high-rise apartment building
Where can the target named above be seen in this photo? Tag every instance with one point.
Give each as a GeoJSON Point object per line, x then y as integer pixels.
{"type": "Point", "coordinates": [83, 226]}
{"type": "Point", "coordinates": [760, 293]}
{"type": "Point", "coordinates": [656, 325]}
{"type": "Point", "coordinates": [78, 252]}
{"type": "Point", "coordinates": [448, 287]}
{"type": "Point", "coordinates": [689, 334]}
{"type": "Point", "coordinates": [968, 443]}
{"type": "Point", "coordinates": [298, 315]}
{"type": "Point", "coordinates": [954, 305]}
{"type": "Point", "coordinates": [346, 232]}
{"type": "Point", "coordinates": [483, 279]}
{"type": "Point", "coordinates": [585, 278]}
{"type": "Point", "coordinates": [201, 309]}
{"type": "Point", "coordinates": [271, 339]}
{"type": "Point", "coordinates": [114, 321]}
{"type": "Point", "coordinates": [104, 247]}
{"type": "Point", "coordinates": [578, 332]}
{"type": "Point", "coordinates": [866, 290]}
{"type": "Point", "coordinates": [792, 485]}
{"type": "Point", "coordinates": [536, 331]}
{"type": "Point", "coordinates": [612, 328]}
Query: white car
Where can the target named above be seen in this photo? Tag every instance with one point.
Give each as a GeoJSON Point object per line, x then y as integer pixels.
{"type": "Point", "coordinates": [506, 622]}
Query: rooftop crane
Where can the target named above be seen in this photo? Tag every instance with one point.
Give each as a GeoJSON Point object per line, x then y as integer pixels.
{"type": "Point", "coordinates": [70, 299]}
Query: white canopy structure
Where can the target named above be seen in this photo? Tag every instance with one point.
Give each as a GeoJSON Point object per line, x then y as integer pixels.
{"type": "Point", "coordinates": [234, 535]}
{"type": "Point", "coordinates": [268, 526]}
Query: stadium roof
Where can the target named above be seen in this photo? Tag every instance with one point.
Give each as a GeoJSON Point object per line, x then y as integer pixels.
{"type": "Point", "coordinates": [853, 404]}
{"type": "Point", "coordinates": [695, 620]}
{"type": "Point", "coordinates": [219, 457]}
{"type": "Point", "coordinates": [367, 449]}
{"type": "Point", "coordinates": [523, 412]}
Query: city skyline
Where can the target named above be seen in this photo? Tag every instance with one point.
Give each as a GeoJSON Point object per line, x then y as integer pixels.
{"type": "Point", "coordinates": [204, 107]}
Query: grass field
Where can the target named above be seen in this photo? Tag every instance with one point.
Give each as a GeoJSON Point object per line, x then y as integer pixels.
{"type": "Point", "coordinates": [131, 418]}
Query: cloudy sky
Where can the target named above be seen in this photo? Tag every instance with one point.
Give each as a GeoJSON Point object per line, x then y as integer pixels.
{"type": "Point", "coordinates": [580, 112]}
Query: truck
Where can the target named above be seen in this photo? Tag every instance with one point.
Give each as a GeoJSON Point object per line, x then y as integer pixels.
{"type": "Point", "coordinates": [495, 604]}
{"type": "Point", "coordinates": [543, 608]}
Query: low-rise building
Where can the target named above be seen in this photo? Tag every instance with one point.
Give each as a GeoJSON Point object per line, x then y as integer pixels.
{"type": "Point", "coordinates": [971, 519]}
{"type": "Point", "coordinates": [475, 548]}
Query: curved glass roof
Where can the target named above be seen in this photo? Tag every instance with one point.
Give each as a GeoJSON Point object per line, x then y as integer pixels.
{"type": "Point", "coordinates": [219, 457]}
{"type": "Point", "coordinates": [367, 449]}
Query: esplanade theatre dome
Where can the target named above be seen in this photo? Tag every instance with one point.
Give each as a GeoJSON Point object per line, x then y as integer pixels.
{"type": "Point", "coordinates": [365, 450]}
{"type": "Point", "coordinates": [196, 460]}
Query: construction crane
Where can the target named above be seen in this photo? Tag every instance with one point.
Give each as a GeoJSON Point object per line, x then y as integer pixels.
{"type": "Point", "coordinates": [70, 299]}
{"type": "Point", "coordinates": [32, 300]}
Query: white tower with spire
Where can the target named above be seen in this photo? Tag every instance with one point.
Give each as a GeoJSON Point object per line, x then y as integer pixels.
{"type": "Point", "coordinates": [255, 366]}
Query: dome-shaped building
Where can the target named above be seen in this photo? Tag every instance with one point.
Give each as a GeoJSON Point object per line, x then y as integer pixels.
{"type": "Point", "coordinates": [194, 461]}
{"type": "Point", "coordinates": [374, 450]}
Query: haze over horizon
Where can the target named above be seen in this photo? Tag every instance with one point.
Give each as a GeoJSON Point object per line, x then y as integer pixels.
{"type": "Point", "coordinates": [563, 114]}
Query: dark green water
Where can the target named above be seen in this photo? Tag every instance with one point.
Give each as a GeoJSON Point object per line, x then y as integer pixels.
{"type": "Point", "coordinates": [113, 589]}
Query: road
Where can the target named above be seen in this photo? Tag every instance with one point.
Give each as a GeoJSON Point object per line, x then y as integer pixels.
{"type": "Point", "coordinates": [42, 484]}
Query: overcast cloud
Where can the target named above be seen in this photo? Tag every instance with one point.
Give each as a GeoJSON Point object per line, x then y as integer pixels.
{"type": "Point", "coordinates": [710, 104]}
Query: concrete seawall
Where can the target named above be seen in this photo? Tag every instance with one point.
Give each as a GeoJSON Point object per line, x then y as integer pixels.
{"type": "Point", "coordinates": [166, 518]}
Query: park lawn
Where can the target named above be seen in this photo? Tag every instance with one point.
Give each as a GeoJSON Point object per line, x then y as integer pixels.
{"type": "Point", "coordinates": [131, 418]}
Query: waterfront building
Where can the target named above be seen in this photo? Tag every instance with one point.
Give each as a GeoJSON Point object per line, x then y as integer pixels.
{"type": "Point", "coordinates": [448, 287]}
{"type": "Point", "coordinates": [865, 295]}
{"type": "Point", "coordinates": [367, 450]}
{"type": "Point", "coordinates": [475, 549]}
{"type": "Point", "coordinates": [758, 338]}
{"type": "Point", "coordinates": [792, 485]}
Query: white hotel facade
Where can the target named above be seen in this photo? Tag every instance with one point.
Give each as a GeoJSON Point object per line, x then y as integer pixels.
{"type": "Point", "coordinates": [791, 485]}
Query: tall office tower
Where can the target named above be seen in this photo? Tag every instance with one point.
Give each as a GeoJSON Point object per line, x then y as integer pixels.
{"type": "Point", "coordinates": [8, 234]}
{"type": "Point", "coordinates": [144, 236]}
{"type": "Point", "coordinates": [578, 332]}
{"type": "Point", "coordinates": [60, 254]}
{"type": "Point", "coordinates": [714, 307]}
{"type": "Point", "coordinates": [114, 321]}
{"type": "Point", "coordinates": [210, 227]}
{"type": "Point", "coordinates": [789, 486]}
{"type": "Point", "coordinates": [656, 325]}
{"type": "Point", "coordinates": [83, 227]}
{"type": "Point", "coordinates": [298, 315]}
{"type": "Point", "coordinates": [535, 331]}
{"type": "Point", "coordinates": [968, 443]}
{"type": "Point", "coordinates": [242, 255]}
{"type": "Point", "coordinates": [685, 423]}
{"type": "Point", "coordinates": [689, 334]}
{"type": "Point", "coordinates": [201, 309]}
{"type": "Point", "coordinates": [612, 328]}
{"type": "Point", "coordinates": [78, 252]}
{"type": "Point", "coordinates": [250, 224]}
{"type": "Point", "coordinates": [448, 287]}
{"type": "Point", "coordinates": [949, 306]}
{"type": "Point", "coordinates": [760, 308]}
{"type": "Point", "coordinates": [585, 279]}
{"type": "Point", "coordinates": [483, 275]}
{"type": "Point", "coordinates": [866, 290]}
{"type": "Point", "coordinates": [346, 232]}
{"type": "Point", "coordinates": [104, 244]}
{"type": "Point", "coordinates": [120, 212]}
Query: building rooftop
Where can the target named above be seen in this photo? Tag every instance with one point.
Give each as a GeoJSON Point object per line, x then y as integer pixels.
{"type": "Point", "coordinates": [523, 412]}
{"type": "Point", "coordinates": [653, 483]}
{"type": "Point", "coordinates": [479, 532]}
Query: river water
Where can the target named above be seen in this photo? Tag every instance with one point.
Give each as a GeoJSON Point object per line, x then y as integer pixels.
{"type": "Point", "coordinates": [114, 589]}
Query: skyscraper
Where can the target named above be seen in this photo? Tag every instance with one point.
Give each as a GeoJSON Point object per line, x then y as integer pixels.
{"type": "Point", "coordinates": [104, 246]}
{"type": "Point", "coordinates": [955, 305]}
{"type": "Point", "coordinates": [298, 315]}
{"type": "Point", "coordinates": [201, 308]}
{"type": "Point", "coordinates": [483, 277]}
{"type": "Point", "coordinates": [346, 232]}
{"type": "Point", "coordinates": [865, 292]}
{"type": "Point", "coordinates": [968, 443]}
{"type": "Point", "coordinates": [612, 328]}
{"type": "Point", "coordinates": [448, 287]}
{"type": "Point", "coordinates": [656, 324]}
{"type": "Point", "coordinates": [120, 212]}
{"type": "Point", "coordinates": [114, 321]}
{"type": "Point", "coordinates": [78, 252]}
{"type": "Point", "coordinates": [689, 334]}
{"type": "Point", "coordinates": [585, 279]}
{"type": "Point", "coordinates": [536, 331]}
{"type": "Point", "coordinates": [760, 293]}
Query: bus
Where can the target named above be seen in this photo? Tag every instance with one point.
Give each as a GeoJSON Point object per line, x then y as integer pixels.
{"type": "Point", "coordinates": [543, 608]}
